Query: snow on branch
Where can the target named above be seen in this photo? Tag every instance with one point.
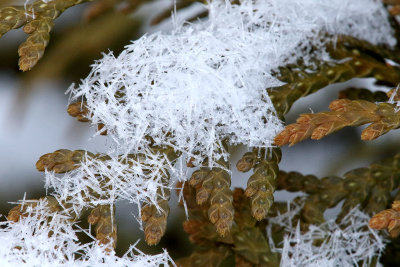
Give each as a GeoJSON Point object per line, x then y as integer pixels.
{"type": "Point", "coordinates": [100, 181]}
{"type": "Point", "coordinates": [43, 237]}
{"type": "Point", "coordinates": [206, 82]}
{"type": "Point", "coordinates": [348, 243]}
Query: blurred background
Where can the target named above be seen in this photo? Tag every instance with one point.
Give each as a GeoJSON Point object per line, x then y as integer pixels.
{"type": "Point", "coordinates": [34, 121]}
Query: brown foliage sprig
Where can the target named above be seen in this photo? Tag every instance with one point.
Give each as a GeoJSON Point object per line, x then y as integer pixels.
{"type": "Point", "coordinates": [37, 20]}
{"type": "Point", "coordinates": [103, 218]}
{"type": "Point", "coordinates": [21, 210]}
{"type": "Point", "coordinates": [261, 185]}
{"type": "Point", "coordinates": [80, 111]}
{"type": "Point", "coordinates": [388, 219]}
{"type": "Point", "coordinates": [154, 218]}
{"type": "Point", "coordinates": [213, 187]}
{"type": "Point", "coordinates": [383, 118]}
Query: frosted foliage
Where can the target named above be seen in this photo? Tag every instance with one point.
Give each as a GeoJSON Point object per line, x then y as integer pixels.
{"type": "Point", "coordinates": [345, 245]}
{"type": "Point", "coordinates": [48, 238]}
{"type": "Point", "coordinates": [99, 182]}
{"type": "Point", "coordinates": [205, 82]}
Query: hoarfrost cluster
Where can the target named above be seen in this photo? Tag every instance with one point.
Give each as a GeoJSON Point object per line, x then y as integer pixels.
{"type": "Point", "coordinates": [46, 238]}
{"type": "Point", "coordinates": [206, 82]}
{"type": "Point", "coordinates": [111, 180]}
{"type": "Point", "coordinates": [346, 244]}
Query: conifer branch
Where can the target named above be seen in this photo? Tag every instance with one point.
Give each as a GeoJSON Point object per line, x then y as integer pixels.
{"type": "Point", "coordinates": [261, 185]}
{"type": "Point", "coordinates": [383, 118]}
{"type": "Point", "coordinates": [37, 20]}
{"type": "Point", "coordinates": [388, 219]}
{"type": "Point", "coordinates": [213, 186]}
{"type": "Point", "coordinates": [62, 160]}
{"type": "Point", "coordinates": [103, 218]}
{"type": "Point", "coordinates": [21, 210]}
{"type": "Point", "coordinates": [351, 62]}
{"type": "Point", "coordinates": [369, 187]}
{"type": "Point", "coordinates": [155, 218]}
{"type": "Point", "coordinates": [246, 240]}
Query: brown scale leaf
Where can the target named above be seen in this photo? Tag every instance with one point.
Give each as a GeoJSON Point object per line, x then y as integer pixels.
{"type": "Point", "coordinates": [261, 186]}
{"type": "Point", "coordinates": [246, 240]}
{"type": "Point", "coordinates": [253, 246]}
{"type": "Point", "coordinates": [198, 176]}
{"type": "Point", "coordinates": [11, 18]}
{"type": "Point", "coordinates": [154, 216]}
{"type": "Point", "coordinates": [385, 174]}
{"type": "Point", "coordinates": [331, 192]}
{"type": "Point", "coordinates": [243, 215]}
{"type": "Point", "coordinates": [215, 188]}
{"type": "Point", "coordinates": [155, 221]}
{"type": "Point", "coordinates": [383, 118]}
{"type": "Point", "coordinates": [359, 182]}
{"type": "Point", "coordinates": [38, 20]}
{"type": "Point", "coordinates": [80, 111]}
{"type": "Point", "coordinates": [62, 160]}
{"type": "Point", "coordinates": [32, 50]}
{"type": "Point", "coordinates": [247, 162]}
{"type": "Point", "coordinates": [388, 219]}
{"type": "Point", "coordinates": [103, 217]}
{"type": "Point", "coordinates": [323, 193]}
{"type": "Point", "coordinates": [201, 231]}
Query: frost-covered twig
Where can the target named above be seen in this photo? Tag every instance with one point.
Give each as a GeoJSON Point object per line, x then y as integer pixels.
{"type": "Point", "coordinates": [349, 243]}
{"type": "Point", "coordinates": [206, 82]}
{"type": "Point", "coordinates": [43, 237]}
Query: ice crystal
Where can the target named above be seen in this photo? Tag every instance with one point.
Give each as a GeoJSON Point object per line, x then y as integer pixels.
{"type": "Point", "coordinates": [349, 243]}
{"type": "Point", "coordinates": [206, 82]}
{"type": "Point", "coordinates": [47, 238]}
{"type": "Point", "coordinates": [103, 181]}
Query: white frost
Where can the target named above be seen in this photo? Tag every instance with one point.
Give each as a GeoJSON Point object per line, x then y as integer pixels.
{"type": "Point", "coordinates": [206, 82]}
{"type": "Point", "coordinates": [48, 238]}
{"type": "Point", "coordinates": [346, 244]}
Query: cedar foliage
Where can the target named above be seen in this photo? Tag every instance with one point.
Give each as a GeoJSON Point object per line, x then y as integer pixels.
{"type": "Point", "coordinates": [229, 225]}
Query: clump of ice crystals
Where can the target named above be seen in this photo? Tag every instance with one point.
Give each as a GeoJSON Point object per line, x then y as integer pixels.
{"type": "Point", "coordinates": [46, 238]}
{"type": "Point", "coordinates": [348, 243]}
{"type": "Point", "coordinates": [206, 82]}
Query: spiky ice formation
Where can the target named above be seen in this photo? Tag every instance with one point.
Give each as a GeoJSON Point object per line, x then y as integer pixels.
{"type": "Point", "coordinates": [100, 181]}
{"type": "Point", "coordinates": [42, 237]}
{"type": "Point", "coordinates": [350, 243]}
{"type": "Point", "coordinates": [205, 82]}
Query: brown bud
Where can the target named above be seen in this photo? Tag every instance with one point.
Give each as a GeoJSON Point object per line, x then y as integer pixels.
{"type": "Point", "coordinates": [247, 162]}
{"type": "Point", "coordinates": [79, 111]}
